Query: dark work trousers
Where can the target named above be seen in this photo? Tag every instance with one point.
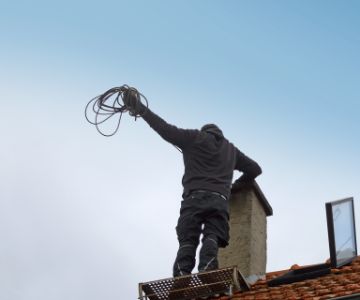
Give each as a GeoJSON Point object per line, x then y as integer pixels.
{"type": "Point", "coordinates": [206, 213]}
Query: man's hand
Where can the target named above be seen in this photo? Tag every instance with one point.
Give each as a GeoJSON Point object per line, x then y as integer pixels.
{"type": "Point", "coordinates": [132, 101]}
{"type": "Point", "coordinates": [240, 185]}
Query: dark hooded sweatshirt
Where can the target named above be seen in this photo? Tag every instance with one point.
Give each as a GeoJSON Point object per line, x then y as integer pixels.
{"type": "Point", "coordinates": [209, 158]}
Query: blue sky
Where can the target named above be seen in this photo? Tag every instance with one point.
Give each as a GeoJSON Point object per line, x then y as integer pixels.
{"type": "Point", "coordinates": [90, 217]}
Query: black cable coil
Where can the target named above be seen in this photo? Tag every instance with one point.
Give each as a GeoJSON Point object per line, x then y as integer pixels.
{"type": "Point", "coordinates": [115, 101]}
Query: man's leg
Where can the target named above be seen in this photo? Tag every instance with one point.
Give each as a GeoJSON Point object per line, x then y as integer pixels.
{"type": "Point", "coordinates": [185, 259]}
{"type": "Point", "coordinates": [188, 231]}
{"type": "Point", "coordinates": [215, 233]}
{"type": "Point", "coordinates": [208, 253]}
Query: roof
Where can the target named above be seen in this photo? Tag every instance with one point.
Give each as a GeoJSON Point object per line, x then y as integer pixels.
{"type": "Point", "coordinates": [340, 282]}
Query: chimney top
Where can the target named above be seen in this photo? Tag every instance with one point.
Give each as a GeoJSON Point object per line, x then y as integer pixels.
{"type": "Point", "coordinates": [260, 195]}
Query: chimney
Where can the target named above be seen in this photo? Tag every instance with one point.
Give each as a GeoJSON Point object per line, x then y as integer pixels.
{"type": "Point", "coordinates": [248, 232]}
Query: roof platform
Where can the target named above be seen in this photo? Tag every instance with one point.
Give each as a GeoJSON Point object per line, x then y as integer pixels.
{"type": "Point", "coordinates": [199, 285]}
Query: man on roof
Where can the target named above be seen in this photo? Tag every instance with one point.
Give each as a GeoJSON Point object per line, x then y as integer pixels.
{"type": "Point", "coordinates": [210, 160]}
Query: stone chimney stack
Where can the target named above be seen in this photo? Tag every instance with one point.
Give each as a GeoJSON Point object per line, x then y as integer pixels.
{"type": "Point", "coordinates": [248, 232]}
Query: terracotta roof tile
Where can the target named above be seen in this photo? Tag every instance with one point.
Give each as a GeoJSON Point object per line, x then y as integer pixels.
{"type": "Point", "coordinates": [340, 282]}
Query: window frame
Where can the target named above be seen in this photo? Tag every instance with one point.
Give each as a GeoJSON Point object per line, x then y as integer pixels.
{"type": "Point", "coordinates": [331, 231]}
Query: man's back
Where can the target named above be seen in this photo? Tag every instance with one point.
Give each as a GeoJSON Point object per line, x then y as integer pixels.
{"type": "Point", "coordinates": [209, 164]}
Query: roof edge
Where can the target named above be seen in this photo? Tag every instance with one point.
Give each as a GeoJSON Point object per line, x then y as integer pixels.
{"type": "Point", "coordinates": [265, 203]}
